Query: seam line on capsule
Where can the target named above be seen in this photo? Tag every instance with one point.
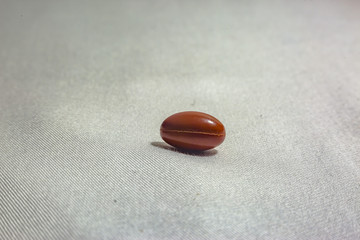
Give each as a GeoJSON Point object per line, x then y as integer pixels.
{"type": "Point", "coordinates": [184, 131]}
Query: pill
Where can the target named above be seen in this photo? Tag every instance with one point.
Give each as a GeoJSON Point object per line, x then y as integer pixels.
{"type": "Point", "coordinates": [194, 131]}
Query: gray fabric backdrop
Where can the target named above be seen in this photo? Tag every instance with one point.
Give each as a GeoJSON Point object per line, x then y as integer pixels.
{"type": "Point", "coordinates": [85, 85]}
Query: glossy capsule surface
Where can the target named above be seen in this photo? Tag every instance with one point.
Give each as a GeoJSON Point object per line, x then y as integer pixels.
{"type": "Point", "coordinates": [195, 131]}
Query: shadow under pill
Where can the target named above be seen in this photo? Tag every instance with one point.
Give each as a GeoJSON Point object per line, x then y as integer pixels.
{"type": "Point", "coordinates": [165, 146]}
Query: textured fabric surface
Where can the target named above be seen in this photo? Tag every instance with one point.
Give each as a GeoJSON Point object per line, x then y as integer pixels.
{"type": "Point", "coordinates": [85, 85]}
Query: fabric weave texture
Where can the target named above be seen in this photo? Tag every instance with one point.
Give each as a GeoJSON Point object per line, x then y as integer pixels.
{"type": "Point", "coordinates": [85, 85]}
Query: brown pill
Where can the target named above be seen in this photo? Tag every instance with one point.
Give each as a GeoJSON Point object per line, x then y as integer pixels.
{"type": "Point", "coordinates": [195, 131]}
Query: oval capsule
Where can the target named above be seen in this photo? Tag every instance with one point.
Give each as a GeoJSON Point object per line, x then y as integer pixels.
{"type": "Point", "coordinates": [194, 131]}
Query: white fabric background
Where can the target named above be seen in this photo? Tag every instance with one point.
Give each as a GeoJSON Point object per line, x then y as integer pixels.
{"type": "Point", "coordinates": [85, 85]}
